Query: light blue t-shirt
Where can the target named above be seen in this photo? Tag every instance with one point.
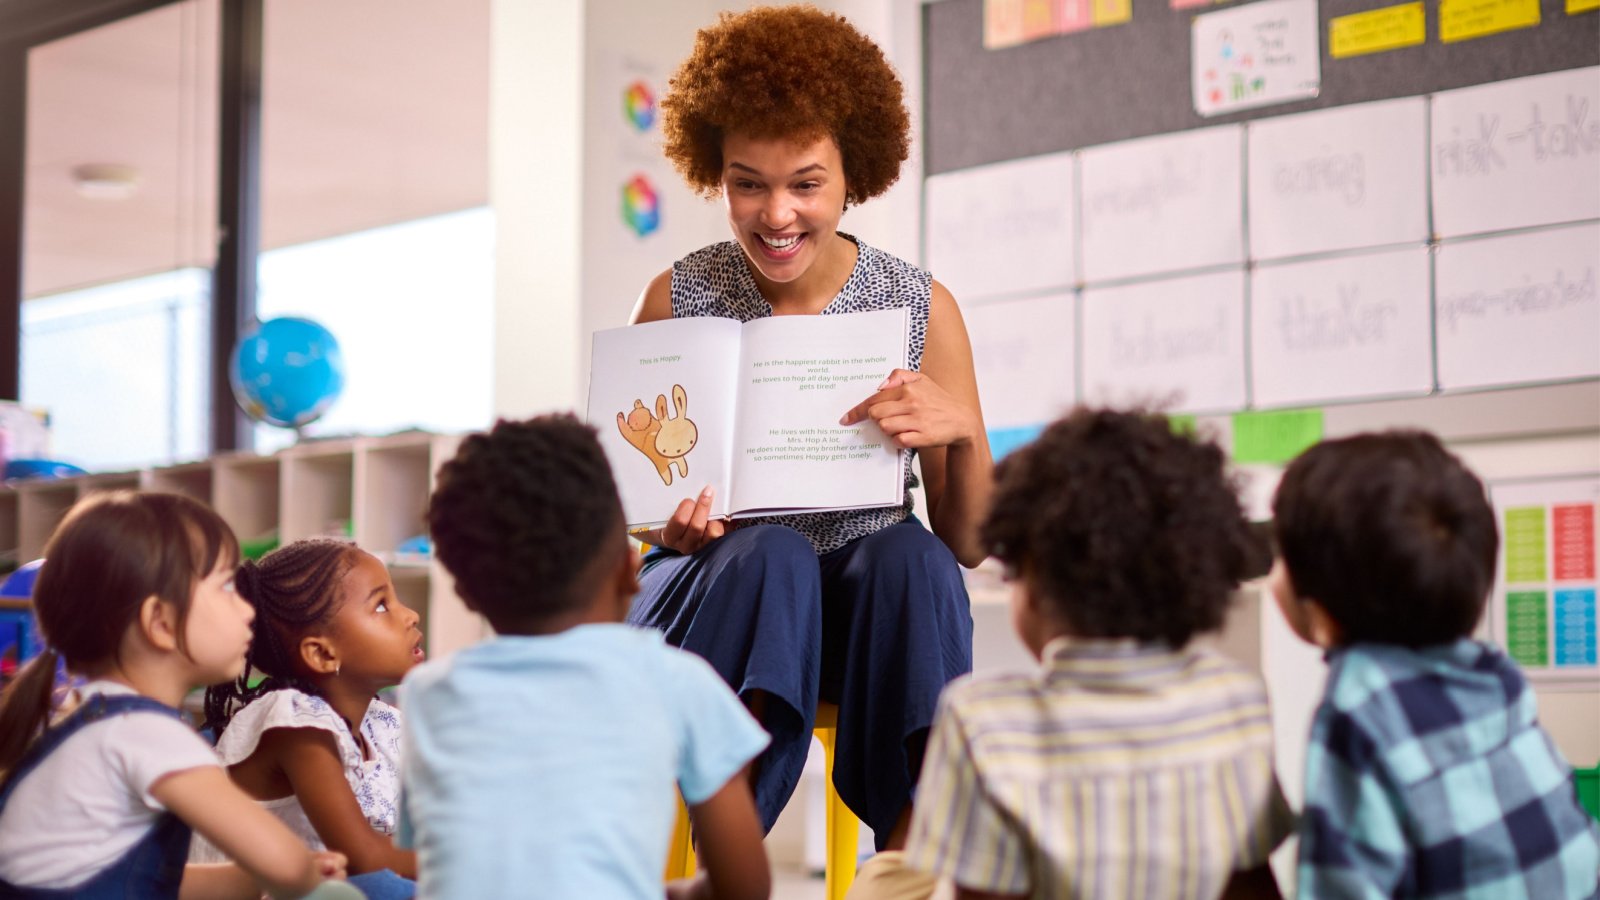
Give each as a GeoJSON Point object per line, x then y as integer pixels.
{"type": "Point", "coordinates": [546, 766]}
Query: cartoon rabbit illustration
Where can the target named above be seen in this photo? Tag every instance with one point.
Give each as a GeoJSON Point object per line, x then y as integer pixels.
{"type": "Point", "coordinates": [640, 428]}
{"type": "Point", "coordinates": [677, 435]}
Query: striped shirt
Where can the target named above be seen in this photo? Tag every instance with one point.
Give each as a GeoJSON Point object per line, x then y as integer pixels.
{"type": "Point", "coordinates": [1116, 770]}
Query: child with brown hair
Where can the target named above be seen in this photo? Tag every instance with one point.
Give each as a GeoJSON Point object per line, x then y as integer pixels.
{"type": "Point", "coordinates": [1427, 773]}
{"type": "Point", "coordinates": [136, 595]}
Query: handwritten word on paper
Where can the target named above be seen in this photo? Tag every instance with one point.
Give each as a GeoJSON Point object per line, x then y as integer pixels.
{"type": "Point", "coordinates": [1003, 229]}
{"type": "Point", "coordinates": [1463, 20]}
{"type": "Point", "coordinates": [1179, 339]}
{"type": "Point", "coordinates": [1377, 30]}
{"type": "Point", "coordinates": [1518, 309]}
{"type": "Point", "coordinates": [1347, 327]}
{"type": "Point", "coordinates": [1254, 55]}
{"type": "Point", "coordinates": [1517, 153]}
{"type": "Point", "coordinates": [1338, 179]}
{"type": "Point", "coordinates": [1163, 203]}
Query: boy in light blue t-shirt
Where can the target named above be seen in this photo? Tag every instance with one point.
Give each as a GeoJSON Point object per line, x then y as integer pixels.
{"type": "Point", "coordinates": [542, 763]}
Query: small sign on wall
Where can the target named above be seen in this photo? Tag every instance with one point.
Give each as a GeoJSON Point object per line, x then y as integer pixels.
{"type": "Point", "coordinates": [1255, 55]}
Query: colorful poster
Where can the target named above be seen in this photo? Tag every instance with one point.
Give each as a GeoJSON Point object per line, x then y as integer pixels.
{"type": "Point", "coordinates": [1463, 20]}
{"type": "Point", "coordinates": [1543, 608]}
{"type": "Point", "coordinates": [1377, 30]}
{"type": "Point", "coordinates": [1255, 55]}
{"type": "Point", "coordinates": [1007, 23]}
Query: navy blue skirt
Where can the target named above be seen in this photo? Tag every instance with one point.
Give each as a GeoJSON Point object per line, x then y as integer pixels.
{"type": "Point", "coordinates": [878, 626]}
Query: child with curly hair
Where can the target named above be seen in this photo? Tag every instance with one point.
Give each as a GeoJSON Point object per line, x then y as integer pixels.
{"type": "Point", "coordinates": [136, 596]}
{"type": "Point", "coordinates": [1131, 763]}
{"type": "Point", "coordinates": [790, 115]}
{"type": "Point", "coordinates": [546, 762]}
{"type": "Point", "coordinates": [1427, 773]}
{"type": "Point", "coordinates": [312, 742]}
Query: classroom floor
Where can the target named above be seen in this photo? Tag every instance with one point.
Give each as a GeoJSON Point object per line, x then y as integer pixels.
{"type": "Point", "coordinates": [790, 884]}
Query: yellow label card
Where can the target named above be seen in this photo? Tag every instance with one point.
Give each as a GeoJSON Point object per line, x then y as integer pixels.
{"type": "Point", "coordinates": [1578, 6]}
{"type": "Point", "coordinates": [1112, 12]}
{"type": "Point", "coordinates": [1377, 30]}
{"type": "Point", "coordinates": [1463, 20]}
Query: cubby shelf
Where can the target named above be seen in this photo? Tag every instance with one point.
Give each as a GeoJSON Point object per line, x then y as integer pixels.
{"type": "Point", "coordinates": [373, 490]}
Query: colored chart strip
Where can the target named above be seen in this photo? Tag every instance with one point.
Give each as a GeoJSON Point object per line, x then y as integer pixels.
{"type": "Point", "coordinates": [1574, 6]}
{"type": "Point", "coordinates": [1572, 541]}
{"type": "Point", "coordinates": [1377, 30]}
{"type": "Point", "coordinates": [1575, 627]}
{"type": "Point", "coordinates": [1527, 628]}
{"type": "Point", "coordinates": [1274, 437]}
{"type": "Point", "coordinates": [1525, 546]}
{"type": "Point", "coordinates": [1005, 440]}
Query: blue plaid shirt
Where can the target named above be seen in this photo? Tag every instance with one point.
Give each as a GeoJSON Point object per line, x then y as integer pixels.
{"type": "Point", "coordinates": [1428, 776]}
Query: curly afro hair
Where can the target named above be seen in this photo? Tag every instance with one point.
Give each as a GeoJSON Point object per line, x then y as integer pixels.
{"type": "Point", "coordinates": [520, 517]}
{"type": "Point", "coordinates": [1124, 528]}
{"type": "Point", "coordinates": [787, 72]}
{"type": "Point", "coordinates": [1391, 534]}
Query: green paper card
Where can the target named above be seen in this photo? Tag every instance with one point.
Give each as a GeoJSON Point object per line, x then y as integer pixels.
{"type": "Point", "coordinates": [1275, 437]}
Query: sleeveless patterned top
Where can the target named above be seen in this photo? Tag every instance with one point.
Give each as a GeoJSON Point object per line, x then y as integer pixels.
{"type": "Point", "coordinates": [716, 281]}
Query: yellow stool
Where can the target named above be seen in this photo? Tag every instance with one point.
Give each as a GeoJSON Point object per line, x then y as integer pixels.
{"type": "Point", "coordinates": [843, 830]}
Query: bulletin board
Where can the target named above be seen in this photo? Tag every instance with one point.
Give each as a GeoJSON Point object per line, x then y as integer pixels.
{"type": "Point", "coordinates": [1380, 223]}
{"type": "Point", "coordinates": [1129, 80]}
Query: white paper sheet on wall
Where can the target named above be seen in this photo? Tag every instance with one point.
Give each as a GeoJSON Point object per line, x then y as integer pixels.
{"type": "Point", "coordinates": [1517, 153]}
{"type": "Point", "coordinates": [1338, 179]}
{"type": "Point", "coordinates": [1519, 309]}
{"type": "Point", "coordinates": [1254, 55]}
{"type": "Point", "coordinates": [1348, 327]}
{"type": "Point", "coordinates": [1163, 204]}
{"type": "Point", "coordinates": [1179, 339]}
{"type": "Point", "coordinates": [1024, 354]}
{"type": "Point", "coordinates": [1003, 229]}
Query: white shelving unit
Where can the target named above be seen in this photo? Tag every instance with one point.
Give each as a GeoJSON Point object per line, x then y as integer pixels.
{"type": "Point", "coordinates": [374, 490]}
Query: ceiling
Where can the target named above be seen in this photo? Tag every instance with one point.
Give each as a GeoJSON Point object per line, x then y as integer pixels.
{"type": "Point", "coordinates": [373, 112]}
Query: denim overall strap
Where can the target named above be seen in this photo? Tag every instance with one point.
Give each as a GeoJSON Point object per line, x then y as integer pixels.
{"type": "Point", "coordinates": [152, 868]}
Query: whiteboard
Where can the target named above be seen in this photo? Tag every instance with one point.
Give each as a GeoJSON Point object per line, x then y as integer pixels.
{"type": "Point", "coordinates": [1348, 327]}
{"type": "Point", "coordinates": [1002, 229]}
{"type": "Point", "coordinates": [1517, 153]}
{"type": "Point", "coordinates": [1356, 176]}
{"type": "Point", "coordinates": [1025, 358]}
{"type": "Point", "coordinates": [1519, 308]}
{"type": "Point", "coordinates": [1179, 339]}
{"type": "Point", "coordinates": [1163, 204]}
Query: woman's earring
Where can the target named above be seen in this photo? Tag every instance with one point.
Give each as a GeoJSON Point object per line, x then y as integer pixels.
{"type": "Point", "coordinates": [336, 670]}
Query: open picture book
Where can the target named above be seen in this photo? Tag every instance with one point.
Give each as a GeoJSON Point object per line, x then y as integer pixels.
{"type": "Point", "coordinates": [751, 409]}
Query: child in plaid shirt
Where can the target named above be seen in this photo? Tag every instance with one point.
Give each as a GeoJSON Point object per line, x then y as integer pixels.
{"type": "Point", "coordinates": [1427, 773]}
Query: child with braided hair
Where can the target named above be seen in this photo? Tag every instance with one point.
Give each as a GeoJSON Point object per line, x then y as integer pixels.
{"type": "Point", "coordinates": [311, 742]}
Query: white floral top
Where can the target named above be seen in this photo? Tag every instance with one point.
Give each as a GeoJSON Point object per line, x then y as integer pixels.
{"type": "Point", "coordinates": [375, 781]}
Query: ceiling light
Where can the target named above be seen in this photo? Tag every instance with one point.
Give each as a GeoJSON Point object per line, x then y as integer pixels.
{"type": "Point", "coordinates": [105, 181]}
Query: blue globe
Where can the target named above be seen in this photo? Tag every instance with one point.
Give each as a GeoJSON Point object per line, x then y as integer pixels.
{"type": "Point", "coordinates": [286, 371]}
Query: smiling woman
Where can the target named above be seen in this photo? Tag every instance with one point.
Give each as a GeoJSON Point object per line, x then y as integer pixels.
{"type": "Point", "coordinates": [790, 115]}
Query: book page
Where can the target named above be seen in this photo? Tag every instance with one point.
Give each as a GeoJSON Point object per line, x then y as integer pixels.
{"type": "Point", "coordinates": [799, 375]}
{"type": "Point", "coordinates": [661, 396]}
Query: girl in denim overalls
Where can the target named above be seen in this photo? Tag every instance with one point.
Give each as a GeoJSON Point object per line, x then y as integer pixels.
{"type": "Point", "coordinates": [137, 597]}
